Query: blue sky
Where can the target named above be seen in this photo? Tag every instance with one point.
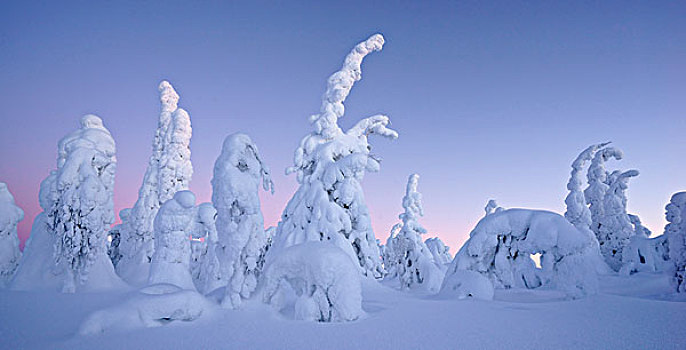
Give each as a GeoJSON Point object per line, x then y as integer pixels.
{"type": "Point", "coordinates": [491, 100]}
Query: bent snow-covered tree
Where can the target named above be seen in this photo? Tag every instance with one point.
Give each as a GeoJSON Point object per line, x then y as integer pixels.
{"type": "Point", "coordinates": [330, 164]}
{"type": "Point", "coordinates": [405, 255]}
{"type": "Point", "coordinates": [238, 174]}
{"type": "Point", "coordinates": [169, 170]}
{"type": "Point", "coordinates": [83, 209]}
{"type": "Point", "coordinates": [501, 245]}
{"type": "Point", "coordinates": [676, 236]}
{"type": "Point", "coordinates": [614, 225]}
{"type": "Point", "coordinates": [10, 215]}
{"type": "Point", "coordinates": [577, 209]}
{"type": "Point", "coordinates": [598, 184]}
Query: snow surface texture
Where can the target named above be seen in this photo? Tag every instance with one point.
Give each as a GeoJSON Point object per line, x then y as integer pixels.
{"type": "Point", "coordinates": [325, 279]}
{"type": "Point", "coordinates": [10, 215]}
{"type": "Point", "coordinates": [406, 256]}
{"type": "Point", "coordinates": [169, 170]}
{"type": "Point", "coordinates": [501, 245]}
{"type": "Point", "coordinates": [173, 225]}
{"type": "Point", "coordinates": [238, 174]}
{"type": "Point", "coordinates": [81, 205]}
{"type": "Point", "coordinates": [467, 284]}
{"type": "Point", "coordinates": [205, 265]}
{"type": "Point", "coordinates": [676, 235]}
{"type": "Point", "coordinates": [152, 306]}
{"type": "Point", "coordinates": [330, 164]}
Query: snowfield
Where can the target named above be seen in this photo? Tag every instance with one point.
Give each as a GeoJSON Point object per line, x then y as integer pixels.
{"type": "Point", "coordinates": [628, 313]}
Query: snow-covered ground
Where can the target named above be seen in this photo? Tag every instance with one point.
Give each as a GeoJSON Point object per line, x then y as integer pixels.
{"type": "Point", "coordinates": [629, 313]}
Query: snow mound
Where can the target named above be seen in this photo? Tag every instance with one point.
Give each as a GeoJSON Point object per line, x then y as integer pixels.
{"type": "Point", "coordinates": [467, 284]}
{"type": "Point", "coordinates": [152, 306]}
{"type": "Point", "coordinates": [324, 278]}
{"type": "Point", "coordinates": [502, 244]}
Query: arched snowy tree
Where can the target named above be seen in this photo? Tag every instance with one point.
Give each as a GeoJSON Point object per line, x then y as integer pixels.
{"type": "Point", "coordinates": [676, 236]}
{"type": "Point", "coordinates": [10, 215]}
{"type": "Point", "coordinates": [407, 257]}
{"type": "Point", "coordinates": [501, 245]}
{"type": "Point", "coordinates": [173, 225]}
{"type": "Point", "coordinates": [238, 174]}
{"type": "Point", "coordinates": [330, 164]}
{"type": "Point", "coordinates": [169, 170]}
{"type": "Point", "coordinates": [83, 209]}
{"type": "Point", "coordinates": [614, 226]}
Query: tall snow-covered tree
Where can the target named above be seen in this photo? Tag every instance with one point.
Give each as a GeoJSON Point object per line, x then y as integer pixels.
{"type": "Point", "coordinates": [577, 209]}
{"type": "Point", "coordinates": [169, 170]}
{"type": "Point", "coordinates": [407, 256]}
{"type": "Point", "coordinates": [598, 184]}
{"type": "Point", "coordinates": [83, 209]}
{"type": "Point", "coordinates": [330, 164]}
{"type": "Point", "coordinates": [238, 174]}
{"type": "Point", "coordinates": [172, 257]}
{"type": "Point", "coordinates": [10, 215]}
{"type": "Point", "coordinates": [676, 236]}
{"type": "Point", "coordinates": [614, 225]}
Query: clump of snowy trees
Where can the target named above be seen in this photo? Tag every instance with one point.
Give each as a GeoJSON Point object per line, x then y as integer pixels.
{"type": "Point", "coordinates": [330, 164]}
{"type": "Point", "coordinates": [10, 215]}
{"type": "Point", "coordinates": [169, 170]}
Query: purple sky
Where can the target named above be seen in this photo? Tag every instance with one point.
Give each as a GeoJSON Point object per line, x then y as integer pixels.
{"type": "Point", "coordinates": [491, 101]}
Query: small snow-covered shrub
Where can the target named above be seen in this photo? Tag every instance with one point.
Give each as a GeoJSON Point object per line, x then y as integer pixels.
{"type": "Point", "coordinates": [324, 278]}
{"type": "Point", "coordinates": [169, 170]}
{"type": "Point", "coordinates": [153, 306]}
{"type": "Point", "coordinates": [330, 164]}
{"type": "Point", "coordinates": [205, 266]}
{"type": "Point", "coordinates": [501, 245]}
{"type": "Point", "coordinates": [10, 215]}
{"type": "Point", "coordinates": [440, 252]}
{"type": "Point", "coordinates": [644, 254]}
{"type": "Point", "coordinates": [467, 284]}
{"type": "Point", "coordinates": [173, 223]}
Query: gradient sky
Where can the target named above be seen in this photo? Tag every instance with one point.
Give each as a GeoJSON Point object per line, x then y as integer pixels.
{"type": "Point", "coordinates": [491, 100]}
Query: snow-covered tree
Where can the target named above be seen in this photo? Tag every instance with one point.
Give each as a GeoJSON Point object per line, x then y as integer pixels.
{"type": "Point", "coordinates": [614, 226]}
{"type": "Point", "coordinates": [639, 229]}
{"type": "Point", "coordinates": [10, 215]}
{"type": "Point", "coordinates": [676, 236]}
{"type": "Point", "coordinates": [115, 237]}
{"type": "Point", "coordinates": [439, 250]}
{"type": "Point", "coordinates": [238, 174]}
{"type": "Point", "coordinates": [173, 225]}
{"type": "Point", "coordinates": [330, 164]}
{"type": "Point", "coordinates": [205, 264]}
{"type": "Point", "coordinates": [407, 256]}
{"type": "Point", "coordinates": [598, 185]}
{"type": "Point", "coordinates": [169, 170]}
{"type": "Point", "coordinates": [492, 207]}
{"type": "Point", "coordinates": [501, 245]}
{"type": "Point", "coordinates": [577, 209]}
{"type": "Point", "coordinates": [83, 208]}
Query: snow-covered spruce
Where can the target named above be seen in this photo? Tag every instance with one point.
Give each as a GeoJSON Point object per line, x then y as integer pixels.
{"type": "Point", "coordinates": [238, 174]}
{"type": "Point", "coordinates": [439, 250]}
{"type": "Point", "coordinates": [10, 215]}
{"type": "Point", "coordinates": [501, 245]}
{"type": "Point", "coordinates": [330, 164]}
{"type": "Point", "coordinates": [614, 226]}
{"type": "Point", "coordinates": [173, 225]}
{"type": "Point", "coordinates": [205, 265]}
{"type": "Point", "coordinates": [406, 257]}
{"type": "Point", "coordinates": [169, 170]}
{"type": "Point", "coordinates": [676, 236]}
{"type": "Point", "coordinates": [323, 276]}
{"type": "Point", "coordinates": [598, 184]}
{"type": "Point", "coordinates": [577, 209]}
{"type": "Point", "coordinates": [83, 209]}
